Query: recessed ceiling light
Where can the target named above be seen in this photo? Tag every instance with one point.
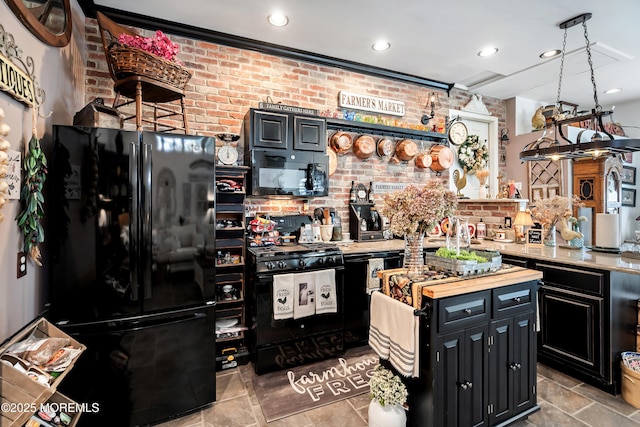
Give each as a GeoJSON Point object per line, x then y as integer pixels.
{"type": "Point", "coordinates": [278, 19]}
{"type": "Point", "coordinates": [381, 45]}
{"type": "Point", "coordinates": [488, 51]}
{"type": "Point", "coordinates": [550, 53]}
{"type": "Point", "coordinates": [613, 90]}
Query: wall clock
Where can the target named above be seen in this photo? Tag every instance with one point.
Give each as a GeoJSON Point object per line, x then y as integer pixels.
{"type": "Point", "coordinates": [458, 133]}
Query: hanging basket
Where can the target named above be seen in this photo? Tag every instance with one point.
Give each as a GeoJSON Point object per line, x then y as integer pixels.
{"type": "Point", "coordinates": [127, 61]}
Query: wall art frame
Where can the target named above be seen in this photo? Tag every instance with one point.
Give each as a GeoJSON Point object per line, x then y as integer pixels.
{"type": "Point", "coordinates": [628, 175]}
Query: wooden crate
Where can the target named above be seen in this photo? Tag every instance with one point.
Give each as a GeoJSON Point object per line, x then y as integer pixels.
{"type": "Point", "coordinates": [23, 394]}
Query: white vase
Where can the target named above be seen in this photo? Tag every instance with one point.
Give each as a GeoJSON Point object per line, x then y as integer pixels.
{"type": "Point", "coordinates": [387, 415]}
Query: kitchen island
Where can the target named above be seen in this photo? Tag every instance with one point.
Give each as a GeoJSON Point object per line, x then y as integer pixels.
{"type": "Point", "coordinates": [587, 304]}
{"type": "Point", "coordinates": [477, 348]}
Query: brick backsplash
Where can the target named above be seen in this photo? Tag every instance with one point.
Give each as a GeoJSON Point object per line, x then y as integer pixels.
{"type": "Point", "coordinates": [227, 81]}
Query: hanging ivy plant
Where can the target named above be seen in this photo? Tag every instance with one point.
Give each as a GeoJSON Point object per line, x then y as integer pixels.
{"type": "Point", "coordinates": [35, 167]}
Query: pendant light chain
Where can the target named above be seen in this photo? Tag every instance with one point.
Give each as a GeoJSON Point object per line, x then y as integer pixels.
{"type": "Point", "coordinates": [564, 46]}
{"type": "Point", "coordinates": [593, 78]}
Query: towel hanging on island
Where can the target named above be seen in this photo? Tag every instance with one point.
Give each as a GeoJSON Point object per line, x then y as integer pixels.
{"type": "Point", "coordinates": [326, 301]}
{"type": "Point", "coordinates": [394, 333]}
{"type": "Point", "coordinates": [304, 295]}
{"type": "Point", "coordinates": [282, 296]}
{"type": "Point", "coordinates": [373, 282]}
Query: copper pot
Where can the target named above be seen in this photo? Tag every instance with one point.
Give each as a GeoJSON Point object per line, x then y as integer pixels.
{"type": "Point", "coordinates": [406, 150]}
{"type": "Point", "coordinates": [442, 158]}
{"type": "Point", "coordinates": [384, 147]}
{"type": "Point", "coordinates": [341, 142]}
{"type": "Point", "coordinates": [364, 147]}
{"type": "Point", "coordinates": [423, 160]}
{"type": "Point", "coordinates": [333, 160]}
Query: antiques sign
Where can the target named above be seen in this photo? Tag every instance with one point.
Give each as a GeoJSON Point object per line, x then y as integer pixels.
{"type": "Point", "coordinates": [16, 82]}
{"type": "Point", "coordinates": [370, 103]}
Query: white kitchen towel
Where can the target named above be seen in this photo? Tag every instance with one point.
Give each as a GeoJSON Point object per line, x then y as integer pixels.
{"type": "Point", "coordinates": [373, 283]}
{"type": "Point", "coordinates": [394, 333]}
{"type": "Point", "coordinates": [283, 296]}
{"type": "Point", "coordinates": [326, 301]}
{"type": "Point", "coordinates": [304, 295]}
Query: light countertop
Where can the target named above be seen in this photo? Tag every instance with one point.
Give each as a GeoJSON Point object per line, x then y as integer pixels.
{"type": "Point", "coordinates": [577, 257]}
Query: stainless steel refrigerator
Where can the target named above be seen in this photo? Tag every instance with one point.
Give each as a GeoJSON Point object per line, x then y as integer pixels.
{"type": "Point", "coordinates": [127, 214]}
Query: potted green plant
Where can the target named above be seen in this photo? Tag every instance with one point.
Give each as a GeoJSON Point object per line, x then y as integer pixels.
{"type": "Point", "coordinates": [389, 399]}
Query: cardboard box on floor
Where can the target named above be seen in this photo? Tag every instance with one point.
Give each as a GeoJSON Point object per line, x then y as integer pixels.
{"type": "Point", "coordinates": [21, 393]}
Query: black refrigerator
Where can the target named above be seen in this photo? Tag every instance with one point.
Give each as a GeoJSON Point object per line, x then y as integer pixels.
{"type": "Point", "coordinates": [127, 214]}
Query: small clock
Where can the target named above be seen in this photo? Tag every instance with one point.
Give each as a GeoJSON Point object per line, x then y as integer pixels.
{"type": "Point", "coordinates": [458, 133]}
{"type": "Point", "coordinates": [227, 155]}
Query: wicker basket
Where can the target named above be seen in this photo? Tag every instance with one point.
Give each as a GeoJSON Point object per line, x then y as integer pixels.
{"type": "Point", "coordinates": [130, 61]}
{"type": "Point", "coordinates": [465, 267]}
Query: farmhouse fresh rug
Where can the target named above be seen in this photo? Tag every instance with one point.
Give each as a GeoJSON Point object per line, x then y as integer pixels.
{"type": "Point", "coordinates": [296, 390]}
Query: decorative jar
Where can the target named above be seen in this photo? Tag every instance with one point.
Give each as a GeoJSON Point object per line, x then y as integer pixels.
{"type": "Point", "coordinates": [414, 254]}
{"type": "Point", "coordinates": [387, 415]}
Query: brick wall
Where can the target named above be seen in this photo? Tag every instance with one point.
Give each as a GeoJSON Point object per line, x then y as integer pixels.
{"type": "Point", "coordinates": [228, 81]}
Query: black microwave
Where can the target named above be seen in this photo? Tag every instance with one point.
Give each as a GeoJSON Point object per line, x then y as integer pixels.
{"type": "Point", "coordinates": [288, 173]}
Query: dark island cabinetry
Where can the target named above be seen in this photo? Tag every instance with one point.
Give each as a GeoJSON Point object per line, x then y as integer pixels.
{"type": "Point", "coordinates": [587, 318]}
{"type": "Point", "coordinates": [477, 358]}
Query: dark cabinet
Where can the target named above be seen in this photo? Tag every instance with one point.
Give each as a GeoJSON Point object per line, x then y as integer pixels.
{"type": "Point", "coordinates": [571, 318]}
{"type": "Point", "coordinates": [356, 273]}
{"type": "Point", "coordinates": [477, 359]}
{"type": "Point", "coordinates": [461, 375]}
{"type": "Point", "coordinates": [285, 131]}
{"type": "Point", "coordinates": [586, 318]}
{"type": "Point", "coordinates": [512, 355]}
{"type": "Point", "coordinates": [270, 130]}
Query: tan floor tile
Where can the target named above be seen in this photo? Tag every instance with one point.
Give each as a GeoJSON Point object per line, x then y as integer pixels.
{"type": "Point", "coordinates": [550, 416]}
{"type": "Point", "coordinates": [614, 402]}
{"type": "Point", "coordinates": [234, 412]}
{"type": "Point", "coordinates": [229, 386]}
{"type": "Point", "coordinates": [561, 397]}
{"type": "Point", "coordinates": [360, 401]}
{"type": "Point", "coordinates": [556, 376]}
{"type": "Point", "coordinates": [601, 416]}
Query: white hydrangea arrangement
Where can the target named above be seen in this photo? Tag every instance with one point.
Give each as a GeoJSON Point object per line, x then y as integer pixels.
{"type": "Point", "coordinates": [387, 388]}
{"type": "Point", "coordinates": [473, 154]}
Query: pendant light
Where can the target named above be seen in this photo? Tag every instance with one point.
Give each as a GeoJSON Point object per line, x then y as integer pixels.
{"type": "Point", "coordinates": [601, 143]}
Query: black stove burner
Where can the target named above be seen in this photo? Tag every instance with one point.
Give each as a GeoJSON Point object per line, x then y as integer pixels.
{"type": "Point", "coordinates": [305, 256]}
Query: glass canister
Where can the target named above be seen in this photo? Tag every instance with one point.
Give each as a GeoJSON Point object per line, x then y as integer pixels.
{"type": "Point", "coordinates": [337, 229]}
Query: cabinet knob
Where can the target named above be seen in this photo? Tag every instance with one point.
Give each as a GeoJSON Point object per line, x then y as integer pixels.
{"type": "Point", "coordinates": [467, 311]}
{"type": "Point", "coordinates": [515, 366]}
{"type": "Point", "coordinates": [517, 299]}
{"type": "Point", "coordinates": [466, 385]}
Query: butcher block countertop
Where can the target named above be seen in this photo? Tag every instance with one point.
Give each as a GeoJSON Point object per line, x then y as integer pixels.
{"type": "Point", "coordinates": [561, 254]}
{"type": "Point", "coordinates": [451, 286]}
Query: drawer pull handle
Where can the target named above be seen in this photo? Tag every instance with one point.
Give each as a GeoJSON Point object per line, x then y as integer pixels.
{"type": "Point", "coordinates": [467, 311]}
{"type": "Point", "coordinates": [517, 299]}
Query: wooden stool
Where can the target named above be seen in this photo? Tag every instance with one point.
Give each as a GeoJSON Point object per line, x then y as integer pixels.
{"type": "Point", "coordinates": [143, 88]}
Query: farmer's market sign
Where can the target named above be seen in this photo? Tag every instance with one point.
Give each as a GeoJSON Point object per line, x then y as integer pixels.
{"type": "Point", "coordinates": [370, 103]}
{"type": "Point", "coordinates": [16, 76]}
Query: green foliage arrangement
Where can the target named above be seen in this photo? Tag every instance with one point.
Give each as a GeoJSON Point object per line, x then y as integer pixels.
{"type": "Point", "coordinates": [35, 167]}
{"type": "Point", "coordinates": [464, 255]}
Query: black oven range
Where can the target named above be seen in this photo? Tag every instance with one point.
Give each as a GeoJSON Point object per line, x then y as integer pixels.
{"type": "Point", "coordinates": [295, 300]}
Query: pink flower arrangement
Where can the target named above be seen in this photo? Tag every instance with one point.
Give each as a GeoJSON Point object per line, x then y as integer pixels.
{"type": "Point", "coordinates": [160, 45]}
{"type": "Point", "coordinates": [418, 209]}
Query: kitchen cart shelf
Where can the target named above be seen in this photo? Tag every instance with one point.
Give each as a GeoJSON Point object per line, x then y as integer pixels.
{"type": "Point", "coordinates": [228, 278]}
{"type": "Point", "coordinates": [383, 130]}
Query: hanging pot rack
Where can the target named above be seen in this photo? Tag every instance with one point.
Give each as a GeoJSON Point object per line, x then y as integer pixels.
{"type": "Point", "coordinates": [601, 143]}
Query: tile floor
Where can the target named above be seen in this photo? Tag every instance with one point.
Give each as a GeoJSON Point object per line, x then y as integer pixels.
{"type": "Point", "coordinates": [564, 400]}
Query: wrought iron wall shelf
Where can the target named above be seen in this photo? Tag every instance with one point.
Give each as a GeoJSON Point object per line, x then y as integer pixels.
{"type": "Point", "coordinates": [383, 130]}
